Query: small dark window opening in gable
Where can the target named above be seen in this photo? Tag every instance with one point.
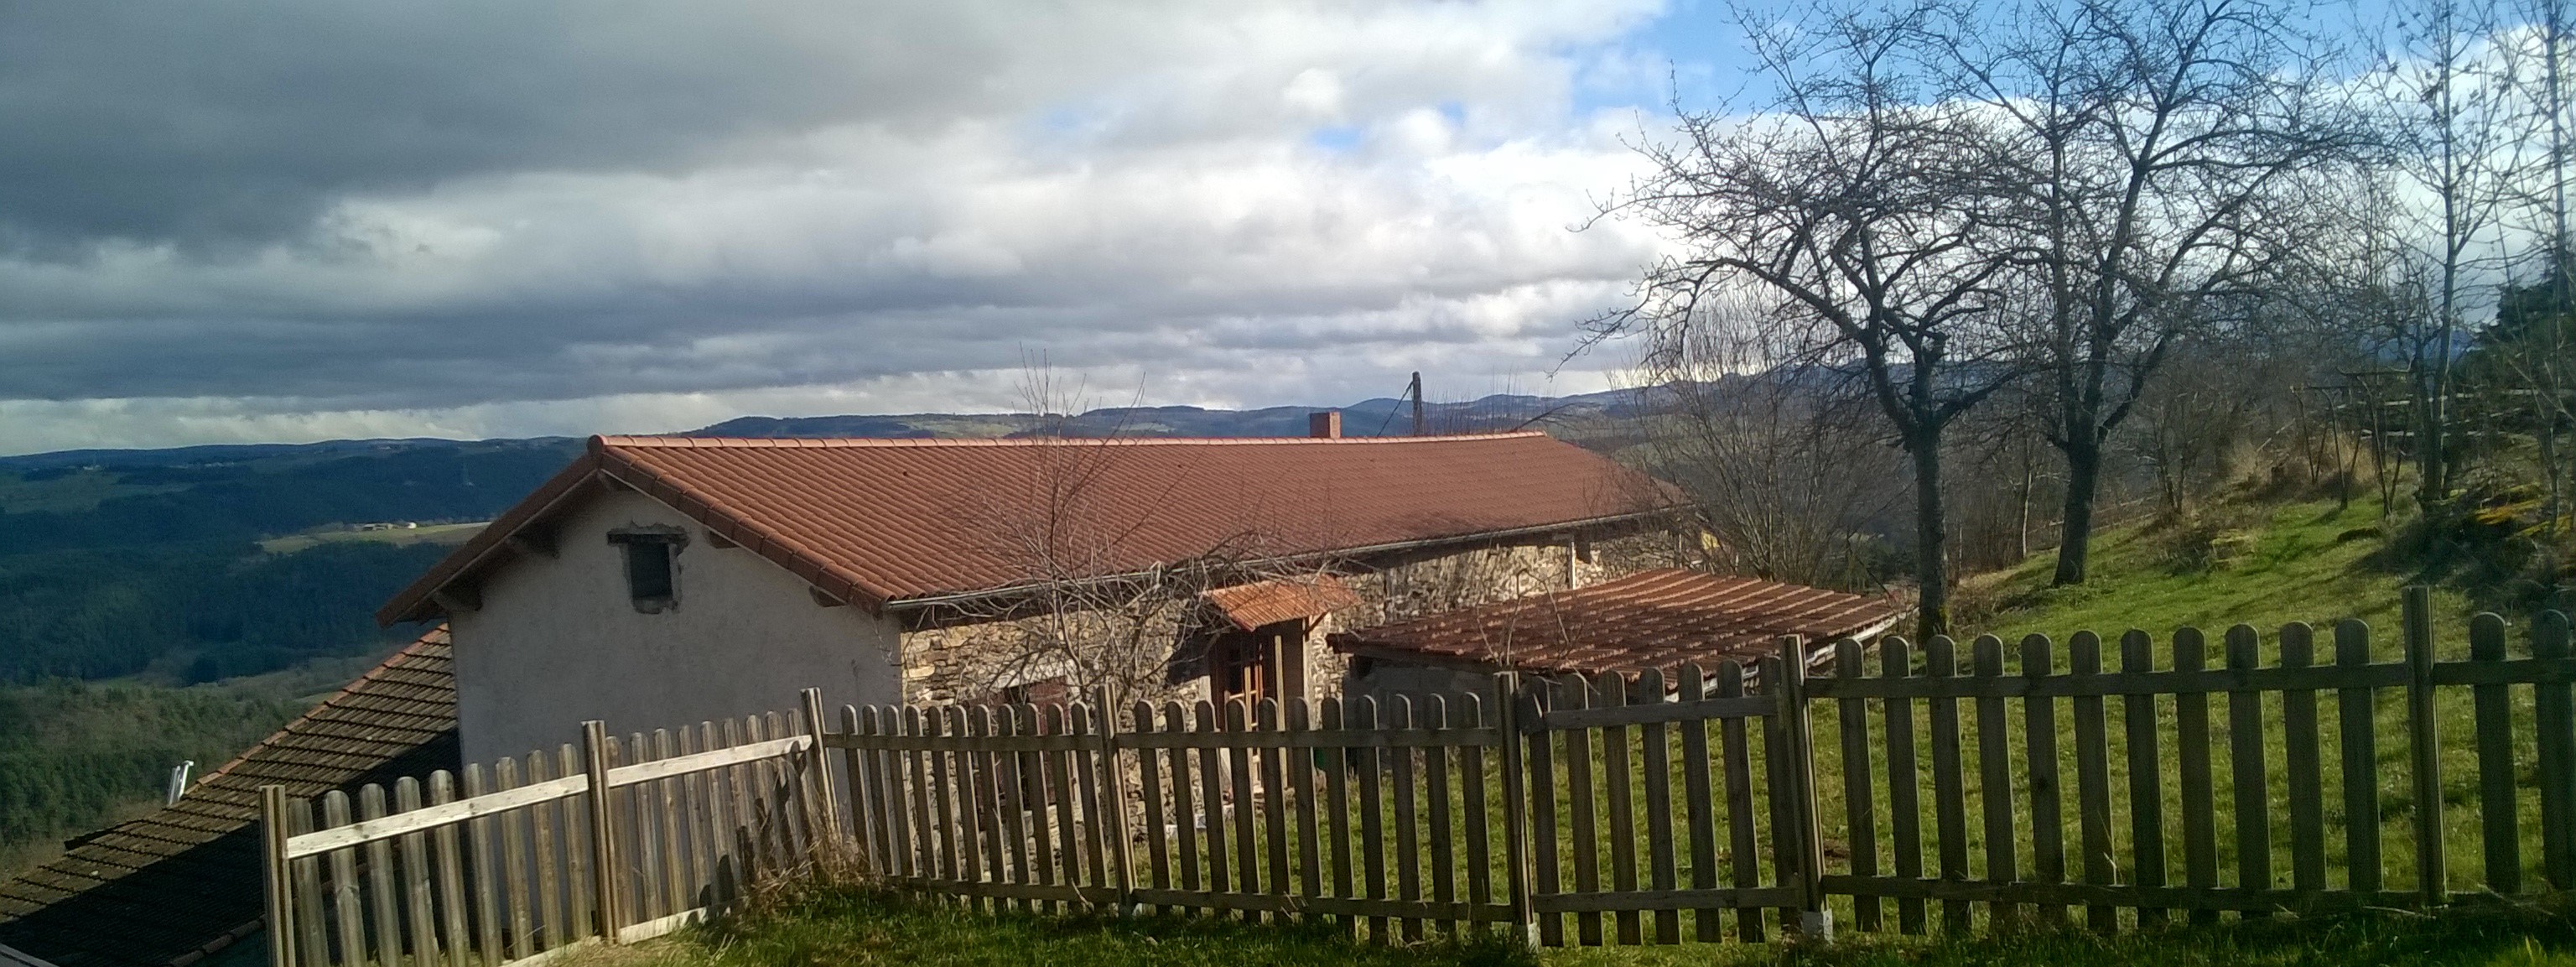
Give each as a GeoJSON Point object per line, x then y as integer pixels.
{"type": "Point", "coordinates": [652, 565]}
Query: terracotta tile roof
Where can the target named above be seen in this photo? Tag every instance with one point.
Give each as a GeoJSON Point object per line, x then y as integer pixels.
{"type": "Point", "coordinates": [1656, 619]}
{"type": "Point", "coordinates": [876, 521]}
{"type": "Point", "coordinates": [1259, 603]}
{"type": "Point", "coordinates": [184, 881]}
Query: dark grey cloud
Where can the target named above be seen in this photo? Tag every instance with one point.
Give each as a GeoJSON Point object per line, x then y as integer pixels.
{"type": "Point", "coordinates": [215, 122]}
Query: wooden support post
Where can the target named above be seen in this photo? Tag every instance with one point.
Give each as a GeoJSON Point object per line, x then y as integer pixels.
{"type": "Point", "coordinates": [2555, 708]}
{"type": "Point", "coordinates": [2430, 868]}
{"type": "Point", "coordinates": [281, 894]}
{"type": "Point", "coordinates": [827, 833]}
{"type": "Point", "coordinates": [609, 900]}
{"type": "Point", "coordinates": [1815, 921]}
{"type": "Point", "coordinates": [1123, 871]}
{"type": "Point", "coordinates": [1507, 715]}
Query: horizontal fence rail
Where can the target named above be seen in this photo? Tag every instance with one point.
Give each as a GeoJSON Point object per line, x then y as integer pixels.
{"type": "Point", "coordinates": [1899, 787]}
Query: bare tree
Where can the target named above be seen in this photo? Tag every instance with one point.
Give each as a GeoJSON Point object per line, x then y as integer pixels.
{"type": "Point", "coordinates": [1856, 206]}
{"type": "Point", "coordinates": [1074, 607]}
{"type": "Point", "coordinates": [2160, 146]}
{"type": "Point", "coordinates": [2448, 100]}
{"type": "Point", "coordinates": [2539, 354]}
{"type": "Point", "coordinates": [1778, 463]}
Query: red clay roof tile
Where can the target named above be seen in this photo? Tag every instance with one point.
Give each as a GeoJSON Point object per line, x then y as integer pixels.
{"type": "Point", "coordinates": [877, 521]}
{"type": "Point", "coordinates": [1259, 603]}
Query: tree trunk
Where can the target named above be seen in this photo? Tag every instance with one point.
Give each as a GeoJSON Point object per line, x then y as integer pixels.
{"type": "Point", "coordinates": [2433, 465]}
{"type": "Point", "coordinates": [2021, 524]}
{"type": "Point", "coordinates": [2075, 540]}
{"type": "Point", "coordinates": [1931, 537]}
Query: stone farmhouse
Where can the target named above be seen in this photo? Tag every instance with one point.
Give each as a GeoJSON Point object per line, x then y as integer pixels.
{"type": "Point", "coordinates": [661, 581]}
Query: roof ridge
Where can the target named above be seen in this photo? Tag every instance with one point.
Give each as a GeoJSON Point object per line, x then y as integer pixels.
{"type": "Point", "coordinates": [714, 443]}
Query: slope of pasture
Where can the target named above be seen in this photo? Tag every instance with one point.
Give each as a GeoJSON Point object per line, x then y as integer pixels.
{"type": "Point", "coordinates": [2304, 561]}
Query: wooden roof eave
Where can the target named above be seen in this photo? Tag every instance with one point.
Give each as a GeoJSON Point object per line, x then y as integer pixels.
{"type": "Point", "coordinates": [418, 602]}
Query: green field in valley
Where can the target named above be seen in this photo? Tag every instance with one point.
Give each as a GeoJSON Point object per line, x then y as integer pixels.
{"type": "Point", "coordinates": [397, 536]}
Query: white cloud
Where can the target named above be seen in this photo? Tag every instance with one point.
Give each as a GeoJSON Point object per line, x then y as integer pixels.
{"type": "Point", "coordinates": [1139, 192]}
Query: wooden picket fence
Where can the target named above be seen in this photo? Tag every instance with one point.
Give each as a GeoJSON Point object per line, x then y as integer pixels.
{"type": "Point", "coordinates": [2121, 874]}
{"type": "Point", "coordinates": [523, 862]}
{"type": "Point", "coordinates": [1726, 803]}
{"type": "Point", "coordinates": [1745, 803]}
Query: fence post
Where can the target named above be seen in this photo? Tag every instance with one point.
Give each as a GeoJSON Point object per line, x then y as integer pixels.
{"type": "Point", "coordinates": [1815, 921]}
{"type": "Point", "coordinates": [603, 832]}
{"type": "Point", "coordinates": [281, 897]}
{"type": "Point", "coordinates": [815, 764]}
{"type": "Point", "coordinates": [1507, 724]}
{"type": "Point", "coordinates": [2430, 868]}
{"type": "Point", "coordinates": [1116, 778]}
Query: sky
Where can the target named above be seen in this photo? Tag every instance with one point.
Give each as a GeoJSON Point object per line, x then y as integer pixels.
{"type": "Point", "coordinates": [290, 220]}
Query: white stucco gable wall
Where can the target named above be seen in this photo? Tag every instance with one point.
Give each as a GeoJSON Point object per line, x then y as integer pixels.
{"type": "Point", "coordinates": [557, 640]}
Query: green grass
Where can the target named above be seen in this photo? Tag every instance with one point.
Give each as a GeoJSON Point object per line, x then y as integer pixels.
{"type": "Point", "coordinates": [2298, 562]}
{"type": "Point", "coordinates": [851, 927]}
{"type": "Point", "coordinates": [2519, 938]}
{"type": "Point", "coordinates": [857, 927]}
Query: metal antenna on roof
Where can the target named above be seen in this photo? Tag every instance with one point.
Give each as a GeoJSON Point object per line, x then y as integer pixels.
{"type": "Point", "coordinates": [178, 782]}
{"type": "Point", "coordinates": [1417, 402]}
{"type": "Point", "coordinates": [1413, 391]}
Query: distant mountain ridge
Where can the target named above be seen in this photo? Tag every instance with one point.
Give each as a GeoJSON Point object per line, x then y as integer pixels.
{"type": "Point", "coordinates": [1372, 417]}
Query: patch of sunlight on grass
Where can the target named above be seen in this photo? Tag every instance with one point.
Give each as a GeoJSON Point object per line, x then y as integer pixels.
{"type": "Point", "coordinates": [860, 928]}
{"type": "Point", "coordinates": [2513, 938]}
{"type": "Point", "coordinates": [2304, 562]}
{"type": "Point", "coordinates": [2532, 954]}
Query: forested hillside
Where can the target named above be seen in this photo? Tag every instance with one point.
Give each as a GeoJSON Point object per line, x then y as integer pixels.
{"type": "Point", "coordinates": [146, 567]}
{"type": "Point", "coordinates": [74, 756]}
{"type": "Point", "coordinates": [122, 563]}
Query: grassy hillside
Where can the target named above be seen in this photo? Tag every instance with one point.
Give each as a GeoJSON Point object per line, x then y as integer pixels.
{"type": "Point", "coordinates": [2263, 565]}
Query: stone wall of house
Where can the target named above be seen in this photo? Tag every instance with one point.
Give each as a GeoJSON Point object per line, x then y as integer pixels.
{"type": "Point", "coordinates": [976, 661]}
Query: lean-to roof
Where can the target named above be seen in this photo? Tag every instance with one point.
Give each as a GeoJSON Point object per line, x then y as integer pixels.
{"type": "Point", "coordinates": [1655, 619]}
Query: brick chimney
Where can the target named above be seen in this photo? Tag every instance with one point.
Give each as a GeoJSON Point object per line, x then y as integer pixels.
{"type": "Point", "coordinates": [1326, 425]}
